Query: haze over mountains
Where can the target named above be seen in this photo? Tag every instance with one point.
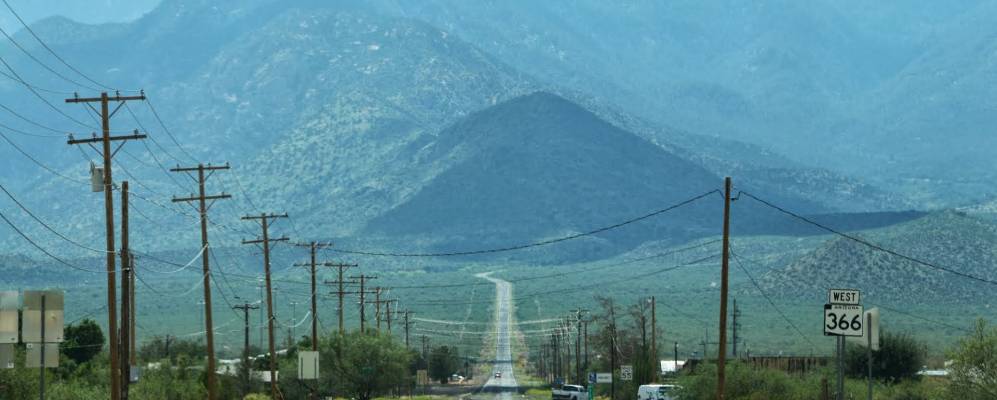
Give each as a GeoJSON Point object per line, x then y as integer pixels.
{"type": "Point", "coordinates": [468, 124]}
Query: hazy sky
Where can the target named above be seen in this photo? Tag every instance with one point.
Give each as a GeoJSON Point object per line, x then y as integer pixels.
{"type": "Point", "coordinates": [90, 11]}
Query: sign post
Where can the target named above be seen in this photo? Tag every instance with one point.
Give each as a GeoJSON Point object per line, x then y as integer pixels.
{"type": "Point", "coordinates": [843, 317]}
{"type": "Point", "coordinates": [626, 372]}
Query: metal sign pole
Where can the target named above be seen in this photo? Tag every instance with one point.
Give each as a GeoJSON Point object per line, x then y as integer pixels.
{"type": "Point", "coordinates": [41, 392]}
{"type": "Point", "coordinates": [841, 368]}
{"type": "Point", "coordinates": [868, 349]}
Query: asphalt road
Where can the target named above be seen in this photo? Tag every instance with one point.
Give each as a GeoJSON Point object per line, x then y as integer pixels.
{"type": "Point", "coordinates": [506, 383]}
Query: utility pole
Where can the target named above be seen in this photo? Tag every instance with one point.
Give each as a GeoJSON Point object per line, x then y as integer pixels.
{"type": "Point", "coordinates": [612, 351]}
{"type": "Point", "coordinates": [676, 364]}
{"type": "Point", "coordinates": [578, 344]}
{"type": "Point", "coordinates": [387, 312]}
{"type": "Point", "coordinates": [733, 326]}
{"type": "Point", "coordinates": [363, 292]}
{"type": "Point", "coordinates": [134, 311]}
{"type": "Point", "coordinates": [126, 311]}
{"type": "Point", "coordinates": [408, 324]}
{"type": "Point", "coordinates": [245, 347]}
{"type": "Point", "coordinates": [203, 206]}
{"type": "Point", "coordinates": [105, 139]}
{"type": "Point", "coordinates": [264, 224]}
{"type": "Point", "coordinates": [340, 293]}
{"type": "Point", "coordinates": [377, 307]}
{"type": "Point", "coordinates": [585, 329]}
{"type": "Point", "coordinates": [313, 247]}
{"type": "Point", "coordinates": [654, 339]}
{"type": "Point", "coordinates": [425, 348]}
{"type": "Point", "coordinates": [722, 350]}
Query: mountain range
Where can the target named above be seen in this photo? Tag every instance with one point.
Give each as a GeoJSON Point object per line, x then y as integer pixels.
{"type": "Point", "coordinates": [445, 124]}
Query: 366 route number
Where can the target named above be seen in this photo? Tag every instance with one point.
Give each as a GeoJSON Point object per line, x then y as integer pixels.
{"type": "Point", "coordinates": [842, 320]}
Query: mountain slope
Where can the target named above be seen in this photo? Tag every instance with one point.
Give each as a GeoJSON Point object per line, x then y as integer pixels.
{"type": "Point", "coordinates": [949, 239]}
{"type": "Point", "coordinates": [540, 166]}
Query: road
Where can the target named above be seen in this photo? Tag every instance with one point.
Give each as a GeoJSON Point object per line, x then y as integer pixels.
{"type": "Point", "coordinates": [505, 384]}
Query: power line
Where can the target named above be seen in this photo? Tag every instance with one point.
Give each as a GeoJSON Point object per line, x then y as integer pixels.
{"type": "Point", "coordinates": [49, 228]}
{"type": "Point", "coordinates": [31, 88]}
{"type": "Point", "coordinates": [42, 64]}
{"type": "Point", "coordinates": [32, 122]}
{"type": "Point", "coordinates": [39, 163]}
{"type": "Point", "coordinates": [737, 259]}
{"type": "Point", "coordinates": [52, 52]}
{"type": "Point", "coordinates": [534, 244]}
{"type": "Point", "coordinates": [165, 129]}
{"type": "Point", "coordinates": [868, 243]}
{"type": "Point", "coordinates": [43, 250]}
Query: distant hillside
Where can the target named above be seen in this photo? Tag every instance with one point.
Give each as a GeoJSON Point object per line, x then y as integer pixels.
{"type": "Point", "coordinates": [949, 239]}
{"type": "Point", "coordinates": [539, 166]}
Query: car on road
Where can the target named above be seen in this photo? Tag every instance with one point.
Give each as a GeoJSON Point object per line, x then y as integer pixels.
{"type": "Point", "coordinates": [570, 392]}
{"type": "Point", "coordinates": [498, 374]}
{"type": "Point", "coordinates": [657, 392]}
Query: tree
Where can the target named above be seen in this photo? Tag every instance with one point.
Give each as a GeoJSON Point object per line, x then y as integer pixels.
{"type": "Point", "coordinates": [361, 365]}
{"type": "Point", "coordinates": [443, 361]}
{"type": "Point", "coordinates": [899, 357]}
{"type": "Point", "coordinates": [83, 341]}
{"type": "Point", "coordinates": [974, 365]}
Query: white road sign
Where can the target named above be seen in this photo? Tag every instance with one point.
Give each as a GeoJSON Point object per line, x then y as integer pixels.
{"type": "Point", "coordinates": [843, 320]}
{"type": "Point", "coordinates": [603, 377]}
{"type": "Point", "coordinates": [626, 372]}
{"type": "Point", "coordinates": [843, 296]}
{"type": "Point", "coordinates": [307, 365]}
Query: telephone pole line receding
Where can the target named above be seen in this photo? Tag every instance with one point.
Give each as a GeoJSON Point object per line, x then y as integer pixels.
{"type": "Point", "coordinates": [264, 224]}
{"type": "Point", "coordinates": [722, 343]}
{"type": "Point", "coordinates": [340, 293]}
{"type": "Point", "coordinates": [245, 347]}
{"type": "Point", "coordinates": [105, 139]}
{"type": "Point", "coordinates": [203, 207]}
{"type": "Point", "coordinates": [363, 293]}
{"type": "Point", "coordinates": [313, 247]}
{"type": "Point", "coordinates": [408, 324]}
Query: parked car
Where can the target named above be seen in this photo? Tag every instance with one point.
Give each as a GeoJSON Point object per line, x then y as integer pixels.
{"type": "Point", "coordinates": [570, 392]}
{"type": "Point", "coordinates": [656, 392]}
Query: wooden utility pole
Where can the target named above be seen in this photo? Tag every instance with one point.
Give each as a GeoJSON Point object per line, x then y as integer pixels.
{"type": "Point", "coordinates": [655, 365]}
{"type": "Point", "coordinates": [362, 279]}
{"type": "Point", "coordinates": [245, 347]}
{"type": "Point", "coordinates": [126, 311]}
{"type": "Point", "coordinates": [105, 140]}
{"type": "Point", "coordinates": [387, 312]}
{"type": "Point", "coordinates": [408, 324]}
{"type": "Point", "coordinates": [734, 314]}
{"type": "Point", "coordinates": [264, 224]}
{"type": "Point", "coordinates": [134, 311]}
{"type": "Point", "coordinates": [341, 292]}
{"type": "Point", "coordinates": [722, 350]}
{"type": "Point", "coordinates": [203, 206]}
{"type": "Point", "coordinates": [313, 248]}
{"type": "Point", "coordinates": [578, 344]}
{"type": "Point", "coordinates": [377, 307]}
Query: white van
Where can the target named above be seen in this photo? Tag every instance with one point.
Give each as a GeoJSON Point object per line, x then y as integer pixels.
{"type": "Point", "coordinates": [656, 392]}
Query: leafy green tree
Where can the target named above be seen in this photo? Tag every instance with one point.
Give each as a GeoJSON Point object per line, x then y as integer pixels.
{"type": "Point", "coordinates": [974, 367]}
{"type": "Point", "coordinates": [83, 341]}
{"type": "Point", "coordinates": [362, 365]}
{"type": "Point", "coordinates": [899, 357]}
{"type": "Point", "coordinates": [443, 361]}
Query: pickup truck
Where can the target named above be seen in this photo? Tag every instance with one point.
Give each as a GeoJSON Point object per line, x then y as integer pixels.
{"type": "Point", "coordinates": [570, 392]}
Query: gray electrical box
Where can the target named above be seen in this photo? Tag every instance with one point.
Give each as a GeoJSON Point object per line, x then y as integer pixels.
{"type": "Point", "coordinates": [33, 357]}
{"type": "Point", "coordinates": [53, 318]}
{"type": "Point", "coordinates": [8, 317]}
{"type": "Point", "coordinates": [6, 355]}
{"type": "Point", "coordinates": [307, 365]}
